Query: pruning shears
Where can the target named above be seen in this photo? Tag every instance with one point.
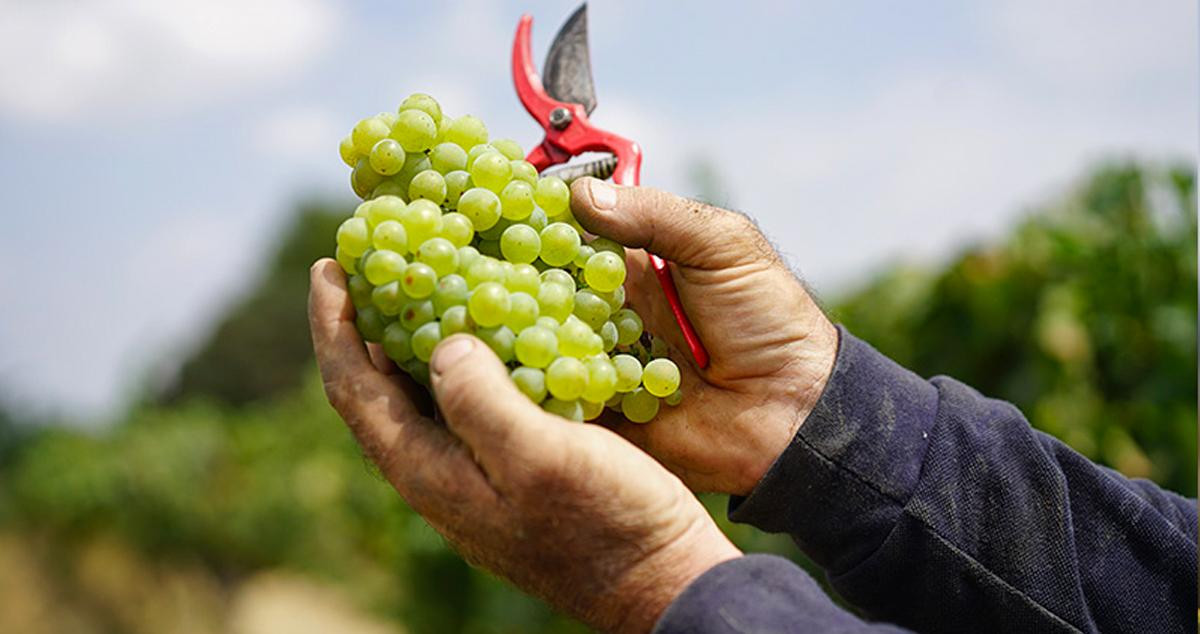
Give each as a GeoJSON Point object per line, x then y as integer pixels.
{"type": "Point", "coordinates": [561, 102]}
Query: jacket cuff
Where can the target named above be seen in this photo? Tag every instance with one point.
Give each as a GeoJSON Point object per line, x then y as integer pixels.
{"type": "Point", "coordinates": [754, 593]}
{"type": "Point", "coordinates": [841, 484]}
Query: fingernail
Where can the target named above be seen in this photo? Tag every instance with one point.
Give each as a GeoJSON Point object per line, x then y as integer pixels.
{"type": "Point", "coordinates": [450, 353]}
{"type": "Point", "coordinates": [603, 194]}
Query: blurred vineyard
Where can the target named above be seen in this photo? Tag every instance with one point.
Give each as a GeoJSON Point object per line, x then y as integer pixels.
{"type": "Point", "coordinates": [234, 500]}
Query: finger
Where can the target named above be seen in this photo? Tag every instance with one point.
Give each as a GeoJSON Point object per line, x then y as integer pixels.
{"type": "Point", "coordinates": [645, 296]}
{"type": "Point", "coordinates": [483, 407]}
{"type": "Point", "coordinates": [424, 462]}
{"type": "Point", "coordinates": [684, 231]}
{"type": "Point", "coordinates": [380, 359]}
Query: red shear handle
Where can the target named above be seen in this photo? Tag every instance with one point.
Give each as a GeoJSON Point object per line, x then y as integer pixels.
{"type": "Point", "coordinates": [628, 172]}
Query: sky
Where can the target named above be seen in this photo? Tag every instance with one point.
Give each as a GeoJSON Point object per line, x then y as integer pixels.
{"type": "Point", "coordinates": [151, 152]}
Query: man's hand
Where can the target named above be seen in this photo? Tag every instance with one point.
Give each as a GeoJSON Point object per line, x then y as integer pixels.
{"type": "Point", "coordinates": [571, 513]}
{"type": "Point", "coordinates": [772, 348]}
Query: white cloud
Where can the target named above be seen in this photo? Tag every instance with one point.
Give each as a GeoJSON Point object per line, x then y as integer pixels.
{"type": "Point", "coordinates": [60, 60]}
{"type": "Point", "coordinates": [298, 134]}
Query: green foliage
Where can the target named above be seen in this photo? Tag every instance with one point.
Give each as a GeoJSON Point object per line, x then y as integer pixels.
{"type": "Point", "coordinates": [261, 347]}
{"type": "Point", "coordinates": [1085, 318]}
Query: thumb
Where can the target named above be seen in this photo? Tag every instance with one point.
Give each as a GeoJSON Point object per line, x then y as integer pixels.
{"type": "Point", "coordinates": [687, 232]}
{"type": "Point", "coordinates": [482, 406]}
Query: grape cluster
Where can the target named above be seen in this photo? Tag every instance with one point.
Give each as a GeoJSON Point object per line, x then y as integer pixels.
{"type": "Point", "coordinates": [460, 234]}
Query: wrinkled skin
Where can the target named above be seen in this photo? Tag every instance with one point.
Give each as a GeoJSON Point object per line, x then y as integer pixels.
{"type": "Point", "coordinates": [570, 513]}
{"type": "Point", "coordinates": [771, 347]}
{"type": "Point", "coordinates": [576, 514]}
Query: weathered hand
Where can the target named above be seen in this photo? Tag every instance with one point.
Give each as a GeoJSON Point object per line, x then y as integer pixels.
{"type": "Point", "coordinates": [571, 513]}
{"type": "Point", "coordinates": [771, 347]}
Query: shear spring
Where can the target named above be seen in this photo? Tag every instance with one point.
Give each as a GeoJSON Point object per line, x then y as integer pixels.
{"type": "Point", "coordinates": [600, 168]}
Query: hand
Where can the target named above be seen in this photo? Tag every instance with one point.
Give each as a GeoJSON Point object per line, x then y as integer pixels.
{"type": "Point", "coordinates": [571, 513]}
{"type": "Point", "coordinates": [771, 347]}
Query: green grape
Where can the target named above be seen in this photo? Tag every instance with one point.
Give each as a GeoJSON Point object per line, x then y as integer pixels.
{"type": "Point", "coordinates": [360, 290]}
{"type": "Point", "coordinates": [629, 326]}
{"type": "Point", "coordinates": [516, 200]}
{"type": "Point", "coordinates": [384, 266]}
{"type": "Point", "coordinates": [416, 313]}
{"type": "Point", "coordinates": [674, 398]}
{"type": "Point", "coordinates": [425, 339]}
{"type": "Point", "coordinates": [608, 336]}
{"type": "Point", "coordinates": [490, 248]}
{"type": "Point", "coordinates": [348, 262]}
{"type": "Point", "coordinates": [418, 370]}
{"type": "Point", "coordinates": [595, 345]}
{"type": "Point", "coordinates": [558, 276]}
{"type": "Point", "coordinates": [389, 118]}
{"type": "Point", "coordinates": [457, 229]}
{"type": "Point", "coordinates": [397, 343]}
{"type": "Point", "coordinates": [581, 257]}
{"type": "Point", "coordinates": [536, 346]}
{"type": "Point", "coordinates": [364, 209]}
{"type": "Point", "coordinates": [367, 133]}
{"type": "Point", "coordinates": [495, 231]}
{"type": "Point", "coordinates": [483, 270]}
{"type": "Point", "coordinates": [500, 339]}
{"type": "Point", "coordinates": [370, 323]}
{"type": "Point", "coordinates": [416, 163]}
{"type": "Point", "coordinates": [547, 322]}
{"type": "Point", "coordinates": [361, 264]}
{"type": "Point", "coordinates": [447, 157]}
{"type": "Point", "coordinates": [383, 208]}
{"type": "Point", "coordinates": [604, 244]}
{"type": "Point", "coordinates": [566, 378]}
{"type": "Point", "coordinates": [556, 300]}
{"type": "Point", "coordinates": [523, 311]}
{"type": "Point", "coordinates": [389, 298]}
{"type": "Point", "coordinates": [419, 280]}
{"type": "Point", "coordinates": [614, 403]}
{"type": "Point", "coordinates": [387, 157]}
{"type": "Point", "coordinates": [363, 179]}
{"type": "Point", "coordinates": [660, 377]}
{"type": "Point", "coordinates": [573, 336]}
{"type": "Point", "coordinates": [560, 243]}
{"type": "Point", "coordinates": [467, 131]}
{"type": "Point", "coordinates": [457, 182]}
{"type": "Point", "coordinates": [605, 271]}
{"type": "Point", "coordinates": [481, 206]}
{"type": "Point", "coordinates": [390, 235]}
{"type": "Point", "coordinates": [476, 152]}
{"type": "Point", "coordinates": [491, 170]}
{"type": "Point", "coordinates": [456, 319]}
{"type": "Point", "coordinates": [440, 254]}
{"type": "Point", "coordinates": [422, 221]}
{"type": "Point", "coordinates": [509, 148]}
{"type": "Point", "coordinates": [570, 410]}
{"type": "Point", "coordinates": [602, 380]}
{"type": "Point", "coordinates": [553, 195]}
{"type": "Point", "coordinates": [537, 219]}
{"type": "Point", "coordinates": [451, 290]}
{"type": "Point", "coordinates": [629, 372]}
{"type": "Point", "coordinates": [523, 171]}
{"type": "Point", "coordinates": [615, 297]}
{"type": "Point", "coordinates": [658, 348]}
{"type": "Point", "coordinates": [520, 244]}
{"type": "Point", "coordinates": [591, 411]}
{"type": "Point", "coordinates": [424, 103]}
{"type": "Point", "coordinates": [639, 406]}
{"type": "Point", "coordinates": [467, 256]}
{"type": "Point", "coordinates": [593, 310]}
{"type": "Point", "coordinates": [389, 187]}
{"type": "Point", "coordinates": [531, 382]}
{"type": "Point", "coordinates": [348, 152]}
{"type": "Point", "coordinates": [489, 304]}
{"type": "Point", "coordinates": [522, 278]}
{"type": "Point", "coordinates": [415, 130]}
{"type": "Point", "coordinates": [354, 237]}
{"type": "Point", "coordinates": [443, 126]}
{"type": "Point", "coordinates": [429, 185]}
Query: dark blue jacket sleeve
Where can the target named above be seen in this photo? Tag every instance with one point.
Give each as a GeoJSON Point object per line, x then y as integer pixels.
{"type": "Point", "coordinates": [935, 508]}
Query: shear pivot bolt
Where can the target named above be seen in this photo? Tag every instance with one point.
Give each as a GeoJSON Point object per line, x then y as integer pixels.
{"type": "Point", "coordinates": [560, 118]}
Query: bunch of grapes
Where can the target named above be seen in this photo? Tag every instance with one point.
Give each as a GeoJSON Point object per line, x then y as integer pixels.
{"type": "Point", "coordinates": [460, 234]}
